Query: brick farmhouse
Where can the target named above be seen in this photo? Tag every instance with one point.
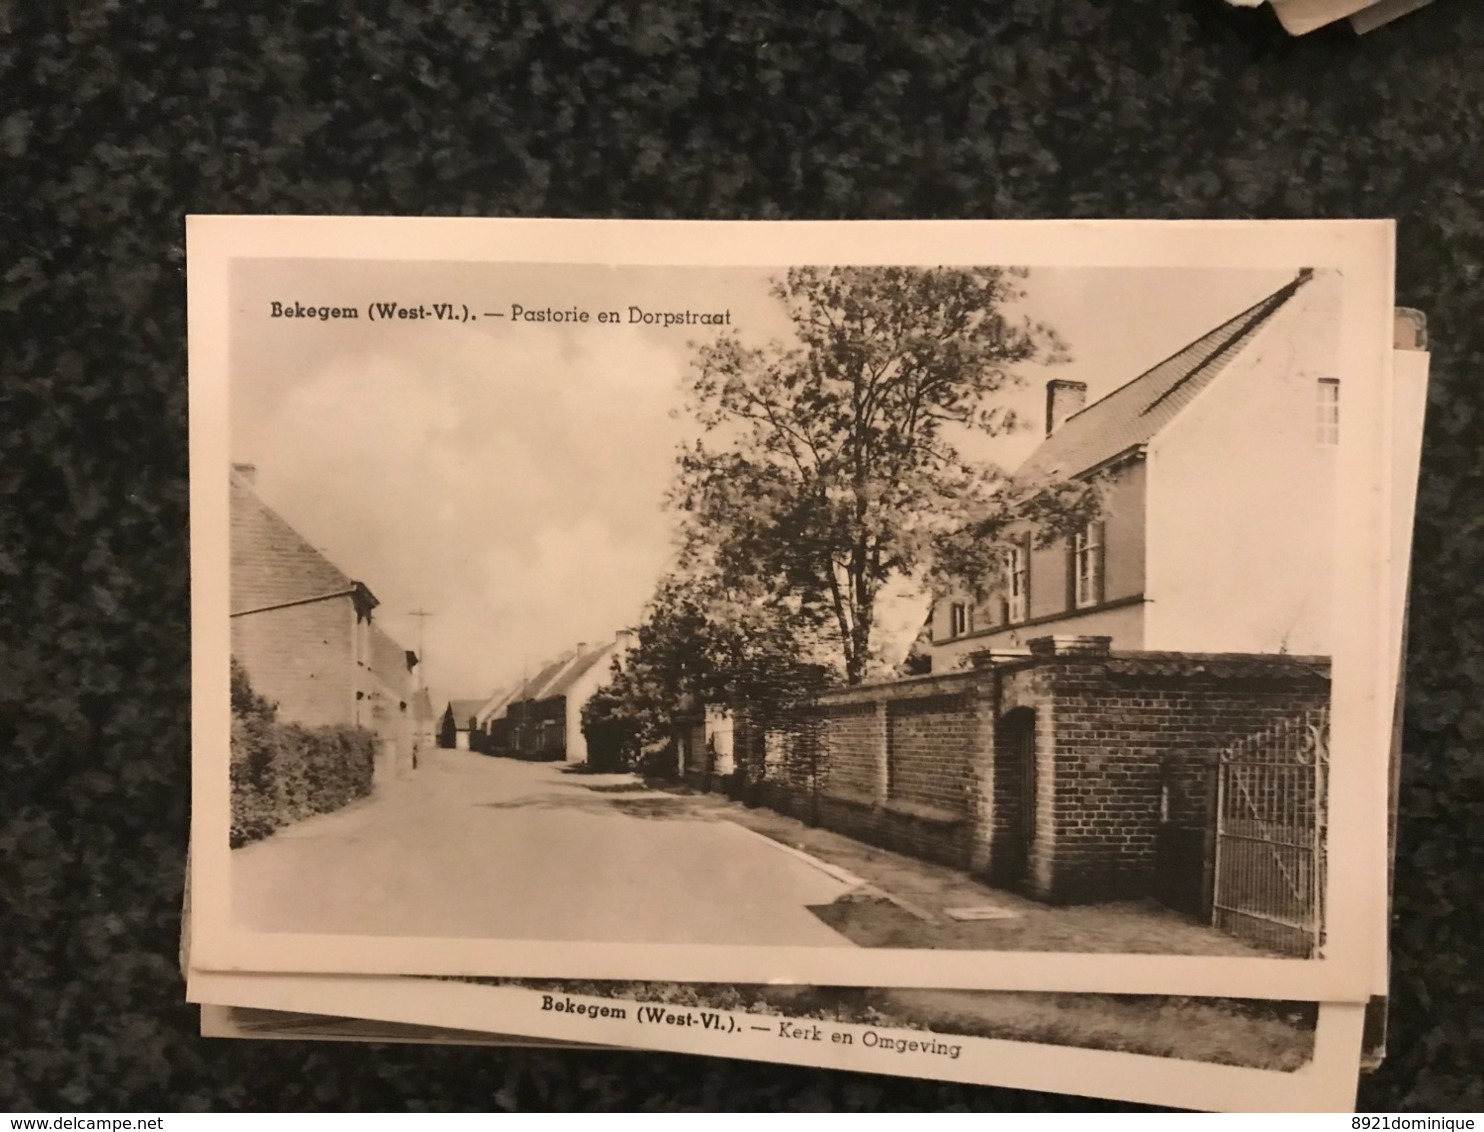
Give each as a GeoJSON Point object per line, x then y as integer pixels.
{"type": "Point", "coordinates": [306, 634]}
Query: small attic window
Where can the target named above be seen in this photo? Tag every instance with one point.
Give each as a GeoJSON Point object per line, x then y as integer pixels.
{"type": "Point", "coordinates": [958, 619]}
{"type": "Point", "coordinates": [1327, 411]}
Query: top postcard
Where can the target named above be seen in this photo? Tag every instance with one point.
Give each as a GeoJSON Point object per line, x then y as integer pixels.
{"type": "Point", "coordinates": [972, 604]}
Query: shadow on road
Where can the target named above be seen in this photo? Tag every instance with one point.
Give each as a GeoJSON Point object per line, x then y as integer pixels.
{"type": "Point", "coordinates": [658, 807]}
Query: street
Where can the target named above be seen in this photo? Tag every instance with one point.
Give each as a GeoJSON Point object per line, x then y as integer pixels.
{"type": "Point", "coordinates": [481, 847]}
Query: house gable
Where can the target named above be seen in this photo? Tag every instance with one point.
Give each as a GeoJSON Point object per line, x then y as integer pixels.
{"type": "Point", "coordinates": [388, 664]}
{"type": "Point", "coordinates": [1135, 412]}
{"type": "Point", "coordinates": [585, 660]}
{"type": "Point", "coordinates": [1111, 437]}
{"type": "Point", "coordinates": [462, 711]}
{"type": "Point", "coordinates": [1241, 504]}
{"type": "Point", "coordinates": [271, 563]}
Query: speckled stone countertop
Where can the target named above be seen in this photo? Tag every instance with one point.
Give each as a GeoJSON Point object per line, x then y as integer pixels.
{"type": "Point", "coordinates": [116, 120]}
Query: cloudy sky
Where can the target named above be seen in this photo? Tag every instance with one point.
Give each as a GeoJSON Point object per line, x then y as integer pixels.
{"type": "Point", "coordinates": [508, 476]}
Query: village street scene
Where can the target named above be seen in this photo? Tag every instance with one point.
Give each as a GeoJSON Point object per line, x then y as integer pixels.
{"type": "Point", "coordinates": [919, 608]}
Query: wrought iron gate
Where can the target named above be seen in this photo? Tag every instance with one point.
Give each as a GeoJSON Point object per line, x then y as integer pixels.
{"type": "Point", "coordinates": [1271, 804]}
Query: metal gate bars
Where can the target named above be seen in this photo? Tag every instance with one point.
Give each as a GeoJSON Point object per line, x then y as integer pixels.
{"type": "Point", "coordinates": [1271, 800]}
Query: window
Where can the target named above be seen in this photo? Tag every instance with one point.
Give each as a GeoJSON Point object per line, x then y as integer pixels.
{"type": "Point", "coordinates": [1017, 584]}
{"type": "Point", "coordinates": [1087, 566]}
{"type": "Point", "coordinates": [1327, 409]}
{"type": "Point", "coordinates": [958, 619]}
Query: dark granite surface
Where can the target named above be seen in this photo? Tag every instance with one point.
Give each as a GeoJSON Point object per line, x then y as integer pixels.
{"type": "Point", "coordinates": [117, 119]}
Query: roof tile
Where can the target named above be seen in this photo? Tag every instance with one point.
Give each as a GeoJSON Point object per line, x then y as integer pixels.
{"type": "Point", "coordinates": [1135, 412]}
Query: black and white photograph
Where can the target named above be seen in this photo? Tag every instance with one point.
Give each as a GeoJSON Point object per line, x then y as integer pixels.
{"type": "Point", "coordinates": [1007, 613]}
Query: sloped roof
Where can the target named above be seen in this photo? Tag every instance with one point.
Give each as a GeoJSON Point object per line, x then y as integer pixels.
{"type": "Point", "coordinates": [463, 710]}
{"type": "Point", "coordinates": [528, 689]}
{"type": "Point", "coordinates": [582, 664]}
{"type": "Point", "coordinates": [535, 687]}
{"type": "Point", "coordinates": [1135, 412]}
{"type": "Point", "coordinates": [271, 562]}
{"type": "Point", "coordinates": [497, 701]}
{"type": "Point", "coordinates": [388, 658]}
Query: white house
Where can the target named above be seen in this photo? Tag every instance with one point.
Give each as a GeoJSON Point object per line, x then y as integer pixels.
{"type": "Point", "coordinates": [541, 718]}
{"type": "Point", "coordinates": [1218, 528]}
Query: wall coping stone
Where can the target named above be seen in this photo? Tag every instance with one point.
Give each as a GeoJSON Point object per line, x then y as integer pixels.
{"type": "Point", "coordinates": [1219, 665]}
{"type": "Point", "coordinates": [1066, 644]}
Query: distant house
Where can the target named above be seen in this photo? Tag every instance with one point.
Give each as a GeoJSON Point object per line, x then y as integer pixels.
{"type": "Point", "coordinates": [541, 718]}
{"type": "Point", "coordinates": [305, 632]}
{"type": "Point", "coordinates": [456, 722]}
{"type": "Point", "coordinates": [488, 720]}
{"type": "Point", "coordinates": [1216, 533]}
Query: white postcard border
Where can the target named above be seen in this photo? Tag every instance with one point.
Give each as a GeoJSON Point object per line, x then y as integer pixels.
{"type": "Point", "coordinates": [1361, 251]}
{"type": "Point", "coordinates": [1326, 1084]}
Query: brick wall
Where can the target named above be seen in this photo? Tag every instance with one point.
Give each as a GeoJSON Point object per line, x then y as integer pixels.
{"type": "Point", "coordinates": [1071, 777]}
{"type": "Point", "coordinates": [1132, 734]}
{"type": "Point", "coordinates": [888, 763]}
{"type": "Point", "coordinates": [849, 735]}
{"type": "Point", "coordinates": [930, 746]}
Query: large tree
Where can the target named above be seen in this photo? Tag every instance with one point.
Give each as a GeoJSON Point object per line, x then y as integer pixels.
{"type": "Point", "coordinates": [831, 464]}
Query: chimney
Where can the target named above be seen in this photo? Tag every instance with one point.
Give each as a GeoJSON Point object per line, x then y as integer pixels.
{"type": "Point", "coordinates": [249, 472]}
{"type": "Point", "coordinates": [1063, 398]}
{"type": "Point", "coordinates": [1411, 329]}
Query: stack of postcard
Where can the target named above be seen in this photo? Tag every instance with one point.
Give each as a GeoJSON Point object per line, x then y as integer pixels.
{"type": "Point", "coordinates": [962, 650]}
{"type": "Point", "coordinates": [1300, 17]}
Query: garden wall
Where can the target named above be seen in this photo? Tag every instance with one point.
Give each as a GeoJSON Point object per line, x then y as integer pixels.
{"type": "Point", "coordinates": [1073, 774]}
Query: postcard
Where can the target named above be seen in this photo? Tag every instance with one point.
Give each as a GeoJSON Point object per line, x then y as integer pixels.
{"type": "Point", "coordinates": [1211, 1054]}
{"type": "Point", "coordinates": [287, 1025]}
{"type": "Point", "coordinates": [896, 605]}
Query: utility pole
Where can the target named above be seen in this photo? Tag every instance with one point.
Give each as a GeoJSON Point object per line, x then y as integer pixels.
{"type": "Point", "coordinates": [422, 616]}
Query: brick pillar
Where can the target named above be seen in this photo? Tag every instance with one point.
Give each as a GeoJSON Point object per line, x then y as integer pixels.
{"type": "Point", "coordinates": [984, 712]}
{"type": "Point", "coordinates": [1042, 876]}
{"type": "Point", "coordinates": [881, 737]}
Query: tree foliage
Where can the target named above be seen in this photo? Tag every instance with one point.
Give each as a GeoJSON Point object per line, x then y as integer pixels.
{"type": "Point", "coordinates": [831, 464]}
{"type": "Point", "coordinates": [699, 645]}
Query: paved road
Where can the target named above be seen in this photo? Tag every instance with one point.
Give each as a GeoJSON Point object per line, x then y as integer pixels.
{"type": "Point", "coordinates": [493, 848]}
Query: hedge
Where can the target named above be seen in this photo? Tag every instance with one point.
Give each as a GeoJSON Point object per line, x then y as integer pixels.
{"type": "Point", "coordinates": [285, 772]}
